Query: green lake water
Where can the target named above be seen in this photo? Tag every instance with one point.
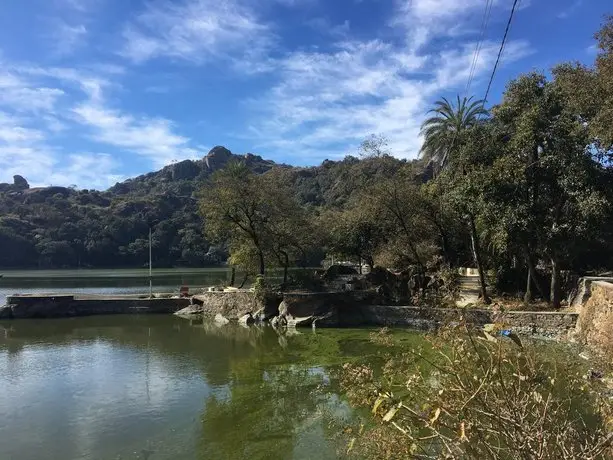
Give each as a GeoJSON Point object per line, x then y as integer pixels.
{"type": "Point", "coordinates": [160, 387]}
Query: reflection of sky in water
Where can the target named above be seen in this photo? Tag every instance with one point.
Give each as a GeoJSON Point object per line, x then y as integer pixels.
{"type": "Point", "coordinates": [79, 400]}
{"type": "Point", "coordinates": [137, 387]}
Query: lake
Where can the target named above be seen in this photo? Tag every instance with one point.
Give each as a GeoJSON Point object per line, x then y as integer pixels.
{"type": "Point", "coordinates": [107, 281]}
{"type": "Point", "coordinates": [154, 387]}
{"type": "Point", "coordinates": [161, 387]}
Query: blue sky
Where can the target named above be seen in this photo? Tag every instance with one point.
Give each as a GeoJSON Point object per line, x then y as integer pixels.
{"type": "Point", "coordinates": [95, 91]}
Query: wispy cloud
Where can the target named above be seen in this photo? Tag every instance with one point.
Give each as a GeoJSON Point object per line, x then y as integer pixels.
{"type": "Point", "coordinates": [196, 31]}
{"type": "Point", "coordinates": [568, 11]}
{"type": "Point", "coordinates": [150, 137]}
{"type": "Point", "coordinates": [326, 102]}
{"type": "Point", "coordinates": [66, 39]}
{"type": "Point", "coordinates": [26, 151]}
{"type": "Point", "coordinates": [34, 102]}
{"type": "Point", "coordinates": [40, 104]}
{"type": "Point", "coordinates": [86, 170]}
{"type": "Point", "coordinates": [325, 26]}
{"type": "Point", "coordinates": [79, 5]}
{"type": "Point", "coordinates": [25, 97]}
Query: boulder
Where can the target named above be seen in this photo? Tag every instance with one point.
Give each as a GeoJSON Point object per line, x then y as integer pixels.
{"type": "Point", "coordinates": [306, 309]}
{"type": "Point", "coordinates": [260, 316]}
{"type": "Point", "coordinates": [6, 312]}
{"type": "Point", "coordinates": [193, 309]}
{"type": "Point", "coordinates": [246, 319]}
{"type": "Point", "coordinates": [217, 158]}
{"type": "Point", "coordinates": [305, 321]}
{"type": "Point", "coordinates": [184, 170]}
{"type": "Point", "coordinates": [278, 322]}
{"type": "Point", "coordinates": [221, 320]}
{"type": "Point", "coordinates": [20, 183]}
{"type": "Point", "coordinates": [338, 270]}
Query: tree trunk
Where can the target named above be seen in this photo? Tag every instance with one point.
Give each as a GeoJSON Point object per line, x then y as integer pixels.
{"type": "Point", "coordinates": [474, 238]}
{"type": "Point", "coordinates": [262, 266]}
{"type": "Point", "coordinates": [528, 294]}
{"type": "Point", "coordinates": [232, 275]}
{"type": "Point", "coordinates": [534, 275]}
{"type": "Point", "coordinates": [555, 294]}
{"type": "Point", "coordinates": [244, 280]}
{"type": "Point", "coordinates": [285, 267]}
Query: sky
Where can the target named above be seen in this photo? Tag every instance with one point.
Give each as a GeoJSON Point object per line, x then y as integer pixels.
{"type": "Point", "coordinates": [96, 91]}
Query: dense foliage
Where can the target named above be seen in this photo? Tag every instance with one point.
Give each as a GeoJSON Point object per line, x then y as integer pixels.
{"type": "Point", "coordinates": [61, 227]}
{"type": "Point", "coordinates": [523, 192]}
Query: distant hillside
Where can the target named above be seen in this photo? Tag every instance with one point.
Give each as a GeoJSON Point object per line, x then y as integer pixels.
{"type": "Point", "coordinates": [64, 227]}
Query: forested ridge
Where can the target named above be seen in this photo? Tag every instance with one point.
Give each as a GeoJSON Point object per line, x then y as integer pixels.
{"type": "Point", "coordinates": [522, 190]}
{"type": "Point", "coordinates": [62, 227]}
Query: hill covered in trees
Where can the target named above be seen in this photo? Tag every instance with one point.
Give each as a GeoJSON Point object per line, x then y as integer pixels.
{"type": "Point", "coordinates": [523, 191]}
{"type": "Point", "coordinates": [61, 227]}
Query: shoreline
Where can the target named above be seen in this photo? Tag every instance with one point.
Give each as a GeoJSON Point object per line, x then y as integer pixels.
{"type": "Point", "coordinates": [330, 309]}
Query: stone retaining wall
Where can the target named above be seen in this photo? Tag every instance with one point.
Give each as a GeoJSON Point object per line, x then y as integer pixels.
{"type": "Point", "coordinates": [332, 309]}
{"type": "Point", "coordinates": [523, 322]}
{"type": "Point", "coordinates": [595, 325]}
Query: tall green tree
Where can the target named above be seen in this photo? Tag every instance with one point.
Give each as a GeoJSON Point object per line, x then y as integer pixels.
{"type": "Point", "coordinates": [444, 134]}
{"type": "Point", "coordinates": [442, 130]}
{"type": "Point", "coordinates": [290, 235]}
{"type": "Point", "coordinates": [550, 147]}
{"type": "Point", "coordinates": [235, 209]}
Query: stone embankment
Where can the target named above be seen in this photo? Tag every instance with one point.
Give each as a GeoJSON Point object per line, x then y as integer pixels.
{"type": "Point", "coordinates": [360, 308]}
{"type": "Point", "coordinates": [595, 324]}
{"type": "Point", "coordinates": [62, 306]}
{"type": "Point", "coordinates": [591, 321]}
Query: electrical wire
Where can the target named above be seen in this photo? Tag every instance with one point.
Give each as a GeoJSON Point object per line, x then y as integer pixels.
{"type": "Point", "coordinates": [484, 23]}
{"type": "Point", "coordinates": [502, 46]}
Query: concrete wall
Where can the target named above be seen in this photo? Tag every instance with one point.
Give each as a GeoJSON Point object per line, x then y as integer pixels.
{"type": "Point", "coordinates": [66, 306]}
{"type": "Point", "coordinates": [595, 325]}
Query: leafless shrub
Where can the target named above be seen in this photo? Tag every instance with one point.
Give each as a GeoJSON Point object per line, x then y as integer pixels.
{"type": "Point", "coordinates": [469, 395]}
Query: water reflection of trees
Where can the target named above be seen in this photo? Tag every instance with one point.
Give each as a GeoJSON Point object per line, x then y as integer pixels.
{"type": "Point", "coordinates": [267, 397]}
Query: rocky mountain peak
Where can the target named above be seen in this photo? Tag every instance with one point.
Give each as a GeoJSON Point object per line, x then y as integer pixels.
{"type": "Point", "coordinates": [217, 157]}
{"type": "Point", "coordinates": [20, 182]}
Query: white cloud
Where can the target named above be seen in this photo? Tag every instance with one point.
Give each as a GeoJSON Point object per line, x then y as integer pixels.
{"type": "Point", "coordinates": [325, 26]}
{"type": "Point", "coordinates": [23, 96]}
{"type": "Point", "coordinates": [592, 50]}
{"type": "Point", "coordinates": [42, 105]}
{"type": "Point", "coordinates": [196, 31]}
{"type": "Point", "coordinates": [151, 137]}
{"type": "Point", "coordinates": [325, 103]}
{"type": "Point", "coordinates": [427, 10]}
{"type": "Point", "coordinates": [86, 170]}
{"type": "Point", "coordinates": [570, 10]}
{"type": "Point", "coordinates": [26, 151]}
{"type": "Point", "coordinates": [79, 5]}
{"type": "Point", "coordinates": [66, 39]}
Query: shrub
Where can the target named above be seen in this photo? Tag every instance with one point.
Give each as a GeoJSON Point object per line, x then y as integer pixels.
{"type": "Point", "coordinates": [469, 395]}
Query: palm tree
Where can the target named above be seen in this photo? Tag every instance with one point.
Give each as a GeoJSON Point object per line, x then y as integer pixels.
{"type": "Point", "coordinates": [441, 134]}
{"type": "Point", "coordinates": [441, 130]}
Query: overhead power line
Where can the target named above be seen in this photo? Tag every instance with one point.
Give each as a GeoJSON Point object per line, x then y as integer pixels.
{"type": "Point", "coordinates": [484, 22]}
{"type": "Point", "coordinates": [502, 45]}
